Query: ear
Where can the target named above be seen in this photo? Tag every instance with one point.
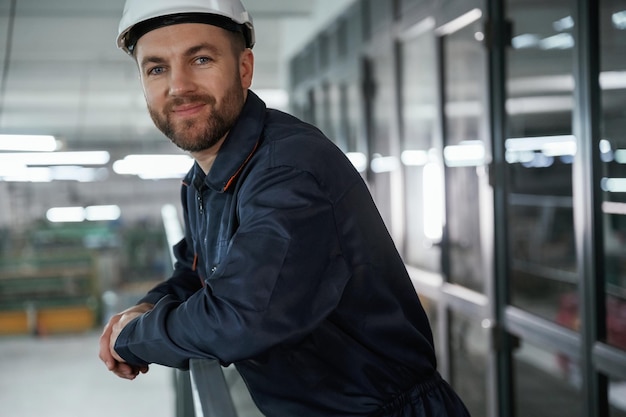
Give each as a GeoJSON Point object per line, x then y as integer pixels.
{"type": "Point", "coordinates": [246, 68]}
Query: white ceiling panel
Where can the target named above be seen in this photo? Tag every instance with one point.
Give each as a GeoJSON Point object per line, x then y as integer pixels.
{"type": "Point", "coordinates": [62, 74]}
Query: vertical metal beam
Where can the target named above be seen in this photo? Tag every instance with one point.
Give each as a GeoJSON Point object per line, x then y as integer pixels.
{"type": "Point", "coordinates": [210, 390]}
{"type": "Point", "coordinates": [444, 327]}
{"type": "Point", "coordinates": [184, 398]}
{"type": "Point", "coordinates": [587, 202]}
{"type": "Point", "coordinates": [498, 36]}
{"type": "Point", "coordinates": [7, 57]}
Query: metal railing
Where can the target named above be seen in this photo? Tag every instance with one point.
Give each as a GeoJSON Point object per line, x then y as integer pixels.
{"type": "Point", "coordinates": [202, 391]}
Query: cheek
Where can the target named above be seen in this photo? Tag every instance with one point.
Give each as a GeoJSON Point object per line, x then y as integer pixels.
{"type": "Point", "coordinates": [152, 89]}
{"type": "Point", "coordinates": [151, 96]}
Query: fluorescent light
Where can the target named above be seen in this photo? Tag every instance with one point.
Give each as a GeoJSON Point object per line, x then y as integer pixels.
{"type": "Point", "coordinates": [10, 167]}
{"type": "Point", "coordinates": [563, 24]}
{"type": "Point", "coordinates": [433, 201]}
{"type": "Point", "coordinates": [32, 143]}
{"type": "Point", "coordinates": [619, 20]}
{"type": "Point", "coordinates": [460, 22]}
{"type": "Point", "coordinates": [66, 214]}
{"type": "Point", "coordinates": [613, 185]}
{"type": "Point", "coordinates": [414, 157]}
{"type": "Point", "coordinates": [102, 213]}
{"type": "Point", "coordinates": [39, 174]}
{"type": "Point", "coordinates": [526, 40]}
{"type": "Point", "coordinates": [384, 164]}
{"type": "Point", "coordinates": [560, 41]}
{"type": "Point", "coordinates": [358, 159]}
{"type": "Point", "coordinates": [154, 166]}
{"type": "Point", "coordinates": [466, 153]}
{"type": "Point", "coordinates": [80, 214]}
{"type": "Point", "coordinates": [540, 143]}
{"type": "Point", "coordinates": [613, 80]}
{"type": "Point", "coordinates": [274, 97]}
{"type": "Point", "coordinates": [543, 104]}
{"type": "Point", "coordinates": [56, 158]}
{"type": "Point", "coordinates": [471, 108]}
{"type": "Point", "coordinates": [418, 29]}
{"type": "Point", "coordinates": [527, 86]}
{"type": "Point", "coordinates": [620, 156]}
{"type": "Point", "coordinates": [540, 151]}
{"type": "Point", "coordinates": [171, 222]}
{"type": "Point", "coordinates": [560, 148]}
{"type": "Point", "coordinates": [22, 173]}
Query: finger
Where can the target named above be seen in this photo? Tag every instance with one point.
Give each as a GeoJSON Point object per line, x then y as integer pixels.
{"type": "Point", "coordinates": [125, 371]}
{"type": "Point", "coordinates": [105, 353]}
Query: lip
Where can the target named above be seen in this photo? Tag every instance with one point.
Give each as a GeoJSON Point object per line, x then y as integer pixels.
{"type": "Point", "coordinates": [188, 109]}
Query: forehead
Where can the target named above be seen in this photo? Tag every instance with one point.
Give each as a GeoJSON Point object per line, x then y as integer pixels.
{"type": "Point", "coordinates": [180, 37]}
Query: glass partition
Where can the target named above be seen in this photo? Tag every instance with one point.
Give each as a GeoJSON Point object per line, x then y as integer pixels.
{"type": "Point", "coordinates": [421, 149]}
{"type": "Point", "coordinates": [469, 351]}
{"type": "Point", "coordinates": [465, 135]}
{"type": "Point", "coordinates": [383, 163]}
{"type": "Point", "coordinates": [539, 151]}
{"type": "Point", "coordinates": [547, 383]}
{"type": "Point", "coordinates": [613, 154]}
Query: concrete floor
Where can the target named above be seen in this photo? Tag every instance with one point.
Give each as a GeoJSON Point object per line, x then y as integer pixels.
{"type": "Point", "coordinates": [62, 376]}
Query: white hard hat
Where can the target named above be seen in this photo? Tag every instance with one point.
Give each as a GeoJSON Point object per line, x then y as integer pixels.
{"type": "Point", "coordinates": [142, 16]}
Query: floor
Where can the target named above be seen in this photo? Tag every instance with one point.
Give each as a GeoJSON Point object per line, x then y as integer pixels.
{"type": "Point", "coordinates": [62, 376]}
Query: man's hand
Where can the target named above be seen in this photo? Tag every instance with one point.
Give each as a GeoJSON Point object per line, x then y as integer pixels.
{"type": "Point", "coordinates": [111, 331]}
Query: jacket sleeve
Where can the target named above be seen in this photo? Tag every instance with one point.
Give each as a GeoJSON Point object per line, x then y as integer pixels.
{"type": "Point", "coordinates": [184, 280]}
{"type": "Point", "coordinates": [284, 272]}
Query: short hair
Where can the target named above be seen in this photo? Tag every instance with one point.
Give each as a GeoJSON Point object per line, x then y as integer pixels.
{"type": "Point", "coordinates": [237, 41]}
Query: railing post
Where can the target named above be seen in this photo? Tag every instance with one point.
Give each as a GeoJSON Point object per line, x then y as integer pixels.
{"type": "Point", "coordinates": [184, 396]}
{"type": "Point", "coordinates": [210, 390]}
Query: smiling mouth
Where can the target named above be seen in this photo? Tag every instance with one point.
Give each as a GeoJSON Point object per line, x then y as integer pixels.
{"type": "Point", "coordinates": [188, 109]}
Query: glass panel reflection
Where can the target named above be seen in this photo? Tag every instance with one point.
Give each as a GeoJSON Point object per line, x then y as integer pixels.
{"type": "Point", "coordinates": [430, 306]}
{"type": "Point", "coordinates": [613, 152]}
{"type": "Point", "coordinates": [617, 398]}
{"type": "Point", "coordinates": [384, 165]}
{"type": "Point", "coordinates": [421, 150]}
{"type": "Point", "coordinates": [540, 151]}
{"type": "Point", "coordinates": [464, 153]}
{"type": "Point", "coordinates": [469, 348]}
{"type": "Point", "coordinates": [547, 383]}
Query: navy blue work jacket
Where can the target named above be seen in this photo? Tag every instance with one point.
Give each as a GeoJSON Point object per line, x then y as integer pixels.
{"type": "Point", "coordinates": [287, 271]}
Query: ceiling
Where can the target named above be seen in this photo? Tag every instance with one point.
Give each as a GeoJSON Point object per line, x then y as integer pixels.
{"type": "Point", "coordinates": [61, 73]}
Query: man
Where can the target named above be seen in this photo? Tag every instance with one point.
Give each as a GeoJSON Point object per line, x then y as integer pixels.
{"type": "Point", "coordinates": [286, 268]}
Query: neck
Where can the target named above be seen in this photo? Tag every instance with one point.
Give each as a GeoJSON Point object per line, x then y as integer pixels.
{"type": "Point", "coordinates": [206, 158]}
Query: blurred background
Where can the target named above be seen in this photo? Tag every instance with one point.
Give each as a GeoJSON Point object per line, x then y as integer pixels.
{"type": "Point", "coordinates": [491, 135]}
{"type": "Point", "coordinates": [82, 232]}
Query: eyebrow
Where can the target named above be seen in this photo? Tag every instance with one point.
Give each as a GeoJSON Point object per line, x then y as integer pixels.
{"type": "Point", "coordinates": [155, 59]}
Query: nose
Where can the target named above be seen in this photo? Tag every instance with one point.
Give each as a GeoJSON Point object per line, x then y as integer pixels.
{"type": "Point", "coordinates": [181, 81]}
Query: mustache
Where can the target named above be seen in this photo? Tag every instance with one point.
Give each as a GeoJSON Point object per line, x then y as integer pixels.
{"type": "Point", "coordinates": [191, 99]}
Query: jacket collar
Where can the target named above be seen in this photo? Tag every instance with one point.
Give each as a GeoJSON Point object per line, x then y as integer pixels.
{"type": "Point", "coordinates": [237, 149]}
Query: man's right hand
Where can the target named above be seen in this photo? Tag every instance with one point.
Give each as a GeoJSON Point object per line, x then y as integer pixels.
{"type": "Point", "coordinates": [117, 366]}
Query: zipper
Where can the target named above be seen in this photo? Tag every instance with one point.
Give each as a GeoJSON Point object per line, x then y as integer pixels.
{"type": "Point", "coordinates": [200, 202]}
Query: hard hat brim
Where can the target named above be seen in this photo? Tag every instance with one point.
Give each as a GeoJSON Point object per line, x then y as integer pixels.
{"type": "Point", "coordinates": [137, 31]}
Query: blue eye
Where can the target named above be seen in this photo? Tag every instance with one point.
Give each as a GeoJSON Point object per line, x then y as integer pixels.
{"type": "Point", "coordinates": [156, 71]}
{"type": "Point", "coordinates": [203, 60]}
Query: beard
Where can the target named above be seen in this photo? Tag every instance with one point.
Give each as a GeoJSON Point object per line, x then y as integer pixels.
{"type": "Point", "coordinates": [199, 134]}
